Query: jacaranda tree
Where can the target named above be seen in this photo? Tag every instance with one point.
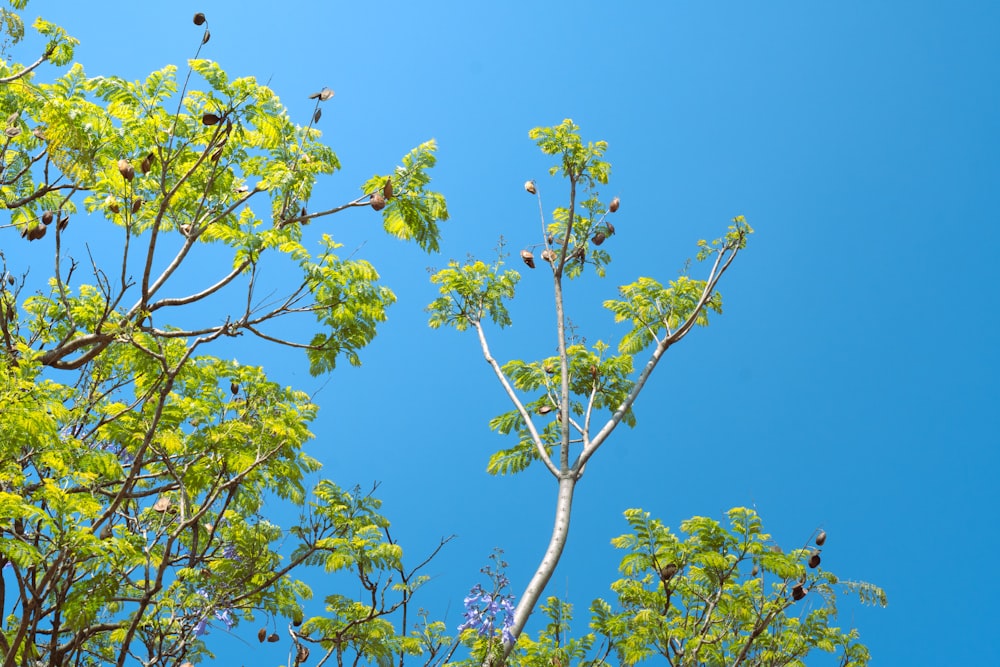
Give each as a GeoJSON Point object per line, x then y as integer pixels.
{"type": "Point", "coordinates": [134, 462]}
{"type": "Point", "coordinates": [718, 598]}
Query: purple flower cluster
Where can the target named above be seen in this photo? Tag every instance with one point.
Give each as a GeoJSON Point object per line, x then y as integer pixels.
{"type": "Point", "coordinates": [224, 615]}
{"type": "Point", "coordinates": [482, 610]}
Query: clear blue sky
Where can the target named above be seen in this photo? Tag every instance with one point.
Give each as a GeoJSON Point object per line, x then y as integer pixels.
{"type": "Point", "coordinates": [850, 384]}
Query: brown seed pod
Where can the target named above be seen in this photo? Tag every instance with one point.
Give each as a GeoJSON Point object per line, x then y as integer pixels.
{"type": "Point", "coordinates": [821, 538]}
{"type": "Point", "coordinates": [147, 163]}
{"type": "Point", "coordinates": [136, 204]}
{"type": "Point", "coordinates": [548, 255]}
{"type": "Point", "coordinates": [10, 279]}
{"type": "Point", "coordinates": [126, 169]}
{"type": "Point", "coordinates": [528, 258]}
{"type": "Point", "coordinates": [545, 409]}
{"type": "Point", "coordinates": [377, 201]}
{"type": "Point", "coordinates": [613, 206]}
{"type": "Point", "coordinates": [273, 637]}
{"type": "Point", "coordinates": [199, 18]}
{"type": "Point", "coordinates": [185, 229]}
{"type": "Point", "coordinates": [301, 654]}
{"type": "Point", "coordinates": [47, 218]}
{"type": "Point", "coordinates": [262, 635]}
{"type": "Point", "coordinates": [317, 115]}
{"type": "Point", "coordinates": [577, 253]}
{"type": "Point", "coordinates": [755, 571]}
{"type": "Point", "coordinates": [814, 558]}
{"type": "Point", "coordinates": [39, 133]}
{"type": "Point", "coordinates": [234, 387]}
{"type": "Point", "coordinates": [112, 204]}
{"type": "Point", "coordinates": [11, 119]}
{"type": "Point", "coordinates": [611, 229]}
{"type": "Point", "coordinates": [599, 238]}
{"type": "Point", "coordinates": [216, 155]}
{"type": "Point", "coordinates": [207, 36]}
{"type": "Point", "coordinates": [209, 119]}
{"type": "Point", "coordinates": [63, 222]}
{"type": "Point", "coordinates": [530, 187]}
{"type": "Point", "coordinates": [36, 232]}
{"type": "Point", "coordinates": [668, 571]}
{"type": "Point", "coordinates": [12, 131]}
{"type": "Point", "coordinates": [799, 591]}
{"type": "Point", "coordinates": [387, 189]}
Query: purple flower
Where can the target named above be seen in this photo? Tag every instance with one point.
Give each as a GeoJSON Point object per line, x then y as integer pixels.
{"type": "Point", "coordinates": [482, 610]}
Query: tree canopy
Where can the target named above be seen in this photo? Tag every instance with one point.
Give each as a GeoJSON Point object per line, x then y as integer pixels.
{"type": "Point", "coordinates": [138, 459]}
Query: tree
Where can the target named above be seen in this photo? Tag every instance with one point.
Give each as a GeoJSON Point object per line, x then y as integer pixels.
{"type": "Point", "coordinates": [135, 462]}
{"type": "Point", "coordinates": [137, 459]}
{"type": "Point", "coordinates": [565, 407]}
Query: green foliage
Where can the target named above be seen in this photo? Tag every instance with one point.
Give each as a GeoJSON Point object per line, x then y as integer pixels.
{"type": "Point", "coordinates": [139, 470]}
{"type": "Point", "coordinates": [471, 291]}
{"type": "Point", "coordinates": [577, 161]}
{"type": "Point", "coordinates": [720, 596]}
{"type": "Point", "coordinates": [412, 212]}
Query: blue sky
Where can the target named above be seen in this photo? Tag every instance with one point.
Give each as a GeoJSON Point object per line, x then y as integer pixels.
{"type": "Point", "coordinates": [852, 381]}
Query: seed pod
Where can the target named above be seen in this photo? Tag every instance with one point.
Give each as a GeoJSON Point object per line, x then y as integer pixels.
{"type": "Point", "coordinates": [47, 218]}
{"type": "Point", "coordinates": [63, 222]}
{"type": "Point", "coordinates": [262, 635]}
{"type": "Point", "coordinates": [209, 119]}
{"type": "Point", "coordinates": [36, 232]}
{"type": "Point", "coordinates": [12, 131]}
{"type": "Point", "coordinates": [548, 255]}
{"type": "Point", "coordinates": [613, 206]}
{"type": "Point", "coordinates": [545, 409]}
{"type": "Point", "coordinates": [112, 204]}
{"type": "Point", "coordinates": [755, 571]}
{"type": "Point", "coordinates": [10, 279]}
{"type": "Point", "coordinates": [611, 229]}
{"type": "Point", "coordinates": [530, 187]}
{"type": "Point", "coordinates": [234, 387]}
{"type": "Point", "coordinates": [11, 119]}
{"type": "Point", "coordinates": [136, 204]}
{"type": "Point", "coordinates": [821, 538]}
{"type": "Point", "coordinates": [377, 201]}
{"type": "Point", "coordinates": [799, 592]}
{"type": "Point", "coordinates": [39, 133]}
{"type": "Point", "coordinates": [207, 36]}
{"type": "Point", "coordinates": [273, 637]}
{"type": "Point", "coordinates": [199, 18]}
{"type": "Point", "coordinates": [387, 189]}
{"type": "Point", "coordinates": [599, 238]}
{"type": "Point", "coordinates": [297, 621]}
{"type": "Point", "coordinates": [577, 253]}
{"type": "Point", "coordinates": [147, 163]}
{"type": "Point", "coordinates": [528, 258]}
{"type": "Point", "coordinates": [216, 155]}
{"type": "Point", "coordinates": [814, 558]}
{"type": "Point", "coordinates": [162, 504]}
{"type": "Point", "coordinates": [301, 654]}
{"type": "Point", "coordinates": [668, 571]}
{"type": "Point", "coordinates": [126, 169]}
{"type": "Point", "coordinates": [317, 114]}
